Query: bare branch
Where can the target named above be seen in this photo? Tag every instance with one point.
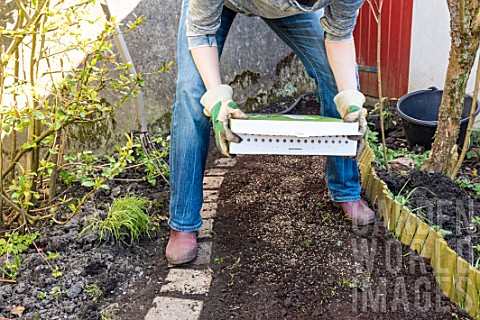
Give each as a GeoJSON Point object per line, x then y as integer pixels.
{"type": "Point", "coordinates": [22, 8]}
{"type": "Point", "coordinates": [15, 207]}
{"type": "Point", "coordinates": [36, 15]}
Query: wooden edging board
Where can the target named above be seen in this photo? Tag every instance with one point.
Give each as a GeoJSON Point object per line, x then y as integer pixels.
{"type": "Point", "coordinates": [458, 280]}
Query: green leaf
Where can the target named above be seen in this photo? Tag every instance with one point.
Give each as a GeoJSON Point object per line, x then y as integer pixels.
{"type": "Point", "coordinates": [28, 145]}
{"type": "Point", "coordinates": [72, 207]}
{"type": "Point", "coordinates": [88, 183]}
{"type": "Point", "coordinates": [38, 115]}
{"type": "Point", "coordinates": [56, 273]}
{"type": "Point", "coordinates": [52, 255]}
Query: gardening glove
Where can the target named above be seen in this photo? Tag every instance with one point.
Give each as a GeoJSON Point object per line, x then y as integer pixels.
{"type": "Point", "coordinates": [220, 108]}
{"type": "Point", "coordinates": [350, 106]}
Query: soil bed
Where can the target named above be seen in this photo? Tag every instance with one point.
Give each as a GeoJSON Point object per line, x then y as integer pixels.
{"type": "Point", "coordinates": [441, 203]}
{"type": "Point", "coordinates": [435, 198]}
{"type": "Point", "coordinates": [282, 251]}
{"type": "Point", "coordinates": [129, 277]}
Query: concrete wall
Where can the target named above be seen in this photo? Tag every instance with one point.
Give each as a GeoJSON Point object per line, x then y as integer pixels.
{"type": "Point", "coordinates": [250, 63]}
{"type": "Point", "coordinates": [7, 17]}
{"type": "Point", "coordinates": [431, 46]}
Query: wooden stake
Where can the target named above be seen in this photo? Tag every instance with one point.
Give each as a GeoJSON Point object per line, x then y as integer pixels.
{"type": "Point", "coordinates": [379, 77]}
{"type": "Point", "coordinates": [376, 9]}
{"type": "Point", "coordinates": [466, 143]}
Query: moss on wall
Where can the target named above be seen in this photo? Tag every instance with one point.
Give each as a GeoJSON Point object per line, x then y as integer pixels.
{"type": "Point", "coordinates": [253, 92]}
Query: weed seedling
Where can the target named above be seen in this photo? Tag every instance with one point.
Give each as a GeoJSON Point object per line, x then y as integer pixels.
{"type": "Point", "coordinates": [56, 273]}
{"type": "Point", "coordinates": [328, 296]}
{"type": "Point", "coordinates": [14, 244]}
{"type": "Point", "coordinates": [41, 295]}
{"type": "Point", "coordinates": [377, 148]}
{"type": "Point", "coordinates": [475, 224]}
{"type": "Point", "coordinates": [468, 185]}
{"type": "Point", "coordinates": [109, 313]}
{"type": "Point", "coordinates": [151, 170]}
{"type": "Point", "coordinates": [354, 284]}
{"type": "Point", "coordinates": [403, 200]}
{"type": "Point", "coordinates": [57, 292]}
{"type": "Point", "coordinates": [93, 292]}
{"type": "Point", "coordinates": [237, 262]}
{"type": "Point", "coordinates": [307, 243]}
{"type": "Point", "coordinates": [51, 255]}
{"type": "Point", "coordinates": [218, 260]}
{"type": "Point", "coordinates": [11, 269]}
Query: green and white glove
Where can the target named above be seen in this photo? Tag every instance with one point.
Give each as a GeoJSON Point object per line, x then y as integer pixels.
{"type": "Point", "coordinates": [220, 107]}
{"type": "Point", "coordinates": [350, 106]}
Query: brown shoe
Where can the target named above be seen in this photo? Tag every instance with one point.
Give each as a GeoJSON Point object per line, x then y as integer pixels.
{"type": "Point", "coordinates": [358, 211]}
{"type": "Point", "coordinates": [181, 247]}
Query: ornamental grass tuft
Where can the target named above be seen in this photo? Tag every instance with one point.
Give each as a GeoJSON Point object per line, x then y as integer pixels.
{"type": "Point", "coordinates": [126, 220]}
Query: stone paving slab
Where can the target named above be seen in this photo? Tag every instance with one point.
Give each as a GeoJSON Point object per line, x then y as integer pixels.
{"type": "Point", "coordinates": [167, 308]}
{"type": "Point", "coordinates": [183, 280]}
{"type": "Point", "coordinates": [209, 210]}
{"type": "Point", "coordinates": [216, 172]}
{"type": "Point", "coordinates": [210, 183]}
{"type": "Point", "coordinates": [204, 253]}
{"type": "Point", "coordinates": [207, 229]}
{"type": "Point", "coordinates": [210, 196]}
{"type": "Point", "coordinates": [187, 281]}
{"type": "Point", "coordinates": [225, 162]}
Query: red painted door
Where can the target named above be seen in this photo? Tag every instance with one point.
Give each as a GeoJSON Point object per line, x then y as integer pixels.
{"type": "Point", "coordinates": [395, 48]}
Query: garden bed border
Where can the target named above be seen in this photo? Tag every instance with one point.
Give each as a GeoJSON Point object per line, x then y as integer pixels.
{"type": "Point", "coordinates": [458, 280]}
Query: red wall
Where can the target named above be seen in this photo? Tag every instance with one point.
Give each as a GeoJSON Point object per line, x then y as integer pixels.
{"type": "Point", "coordinates": [395, 49]}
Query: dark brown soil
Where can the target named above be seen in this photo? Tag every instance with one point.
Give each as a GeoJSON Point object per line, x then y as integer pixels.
{"type": "Point", "coordinates": [443, 204]}
{"type": "Point", "coordinates": [282, 251]}
{"type": "Point", "coordinates": [435, 198]}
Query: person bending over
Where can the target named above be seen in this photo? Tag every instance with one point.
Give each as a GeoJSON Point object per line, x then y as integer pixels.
{"type": "Point", "coordinates": [320, 33]}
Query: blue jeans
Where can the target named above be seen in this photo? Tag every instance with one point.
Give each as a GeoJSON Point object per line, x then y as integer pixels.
{"type": "Point", "coordinates": [190, 128]}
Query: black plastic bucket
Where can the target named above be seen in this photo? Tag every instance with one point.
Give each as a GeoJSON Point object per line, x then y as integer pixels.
{"type": "Point", "coordinates": [419, 113]}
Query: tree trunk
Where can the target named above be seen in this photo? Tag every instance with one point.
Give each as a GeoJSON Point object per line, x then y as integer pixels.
{"type": "Point", "coordinates": [465, 35]}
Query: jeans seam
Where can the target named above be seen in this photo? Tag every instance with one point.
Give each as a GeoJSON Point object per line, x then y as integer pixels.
{"type": "Point", "coordinates": [173, 150]}
{"type": "Point", "coordinates": [346, 199]}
